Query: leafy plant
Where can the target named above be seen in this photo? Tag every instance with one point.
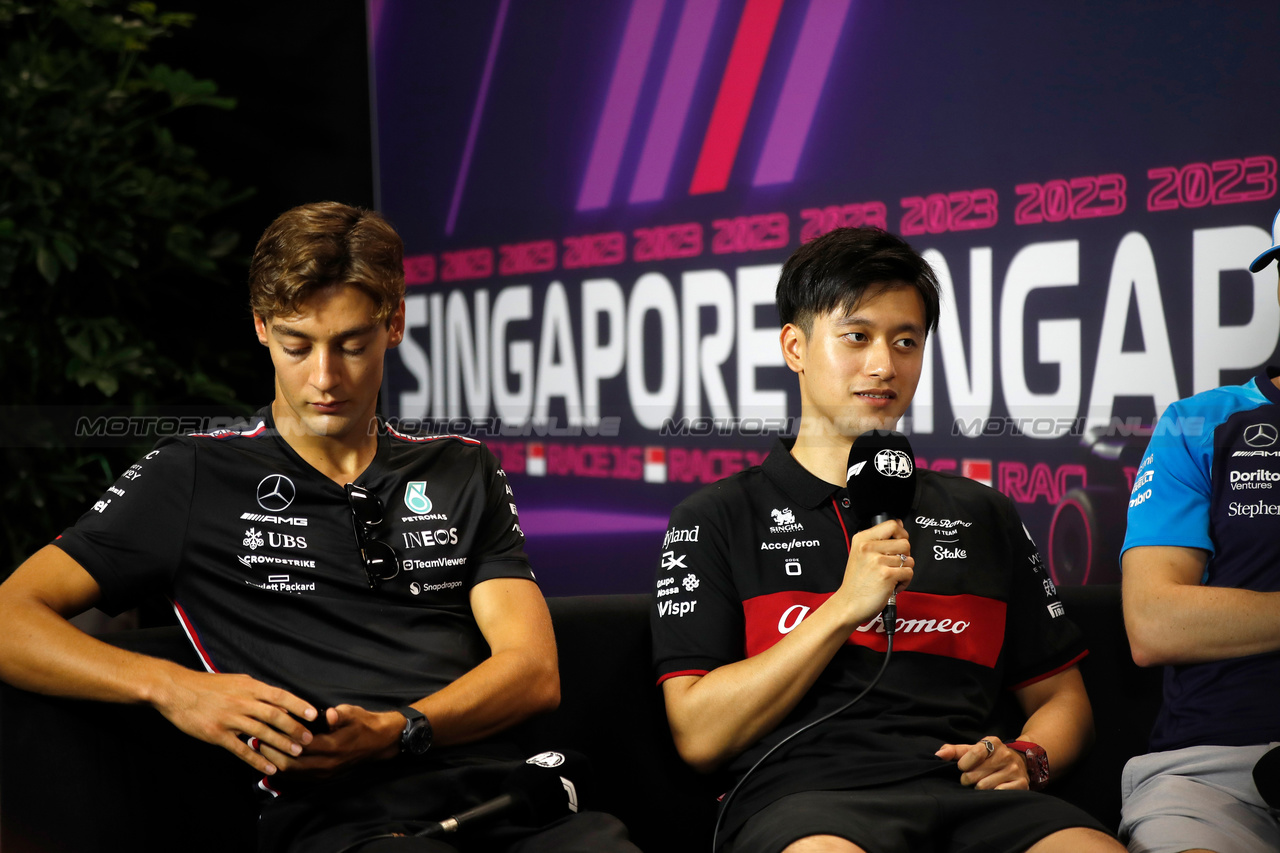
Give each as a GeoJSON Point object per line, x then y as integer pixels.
{"type": "Point", "coordinates": [106, 257]}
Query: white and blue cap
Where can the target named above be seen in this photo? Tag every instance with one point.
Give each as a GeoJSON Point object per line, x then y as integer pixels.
{"type": "Point", "coordinates": [1272, 253]}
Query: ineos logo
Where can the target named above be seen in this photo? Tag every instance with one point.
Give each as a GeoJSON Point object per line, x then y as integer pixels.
{"type": "Point", "coordinates": [1260, 435]}
{"type": "Point", "coordinates": [276, 492]}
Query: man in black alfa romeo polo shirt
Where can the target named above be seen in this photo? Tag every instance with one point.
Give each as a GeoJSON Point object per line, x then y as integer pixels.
{"type": "Point", "coordinates": [769, 600]}
{"type": "Point", "coordinates": [369, 590]}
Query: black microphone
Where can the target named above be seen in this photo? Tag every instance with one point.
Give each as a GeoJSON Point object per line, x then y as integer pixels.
{"type": "Point", "coordinates": [543, 789]}
{"type": "Point", "coordinates": [1266, 775]}
{"type": "Point", "coordinates": [882, 485]}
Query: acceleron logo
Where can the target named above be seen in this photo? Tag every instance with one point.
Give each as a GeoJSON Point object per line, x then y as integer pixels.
{"type": "Point", "coordinates": [793, 113]}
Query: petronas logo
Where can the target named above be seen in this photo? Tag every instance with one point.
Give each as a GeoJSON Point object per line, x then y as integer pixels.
{"type": "Point", "coordinates": [415, 497]}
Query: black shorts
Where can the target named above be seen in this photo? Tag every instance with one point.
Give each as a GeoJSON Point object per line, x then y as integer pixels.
{"type": "Point", "coordinates": [915, 816]}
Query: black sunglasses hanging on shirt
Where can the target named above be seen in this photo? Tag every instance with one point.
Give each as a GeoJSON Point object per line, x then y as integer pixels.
{"type": "Point", "coordinates": [381, 562]}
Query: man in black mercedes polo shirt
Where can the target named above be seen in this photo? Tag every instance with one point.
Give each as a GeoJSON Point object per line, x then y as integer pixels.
{"type": "Point", "coordinates": [361, 600]}
{"type": "Point", "coordinates": [769, 600]}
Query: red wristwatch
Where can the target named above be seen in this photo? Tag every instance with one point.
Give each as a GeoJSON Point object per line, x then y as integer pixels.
{"type": "Point", "coordinates": [1037, 762]}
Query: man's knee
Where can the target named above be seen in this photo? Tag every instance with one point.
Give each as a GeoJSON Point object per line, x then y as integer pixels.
{"type": "Point", "coordinates": [823, 844]}
{"type": "Point", "coordinates": [1078, 839]}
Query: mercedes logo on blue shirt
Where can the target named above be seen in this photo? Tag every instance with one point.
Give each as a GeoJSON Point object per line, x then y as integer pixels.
{"type": "Point", "coordinates": [1260, 435]}
{"type": "Point", "coordinates": [275, 492]}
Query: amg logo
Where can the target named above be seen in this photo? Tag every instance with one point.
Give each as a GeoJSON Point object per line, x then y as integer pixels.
{"type": "Point", "coordinates": [273, 519]}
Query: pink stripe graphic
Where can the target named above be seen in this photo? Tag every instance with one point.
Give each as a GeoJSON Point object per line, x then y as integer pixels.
{"type": "Point", "coordinates": [620, 103]}
{"type": "Point", "coordinates": [737, 91]}
{"type": "Point", "coordinates": [810, 64]}
{"type": "Point", "coordinates": [674, 98]}
{"type": "Point", "coordinates": [474, 130]}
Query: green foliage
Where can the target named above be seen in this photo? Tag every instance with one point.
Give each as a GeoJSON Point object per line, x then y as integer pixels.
{"type": "Point", "coordinates": [105, 251]}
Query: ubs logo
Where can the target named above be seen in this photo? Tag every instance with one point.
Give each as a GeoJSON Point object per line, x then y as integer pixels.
{"type": "Point", "coordinates": [1260, 435]}
{"type": "Point", "coordinates": [276, 492]}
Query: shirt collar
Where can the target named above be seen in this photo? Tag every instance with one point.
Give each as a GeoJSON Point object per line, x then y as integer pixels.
{"type": "Point", "coordinates": [793, 479]}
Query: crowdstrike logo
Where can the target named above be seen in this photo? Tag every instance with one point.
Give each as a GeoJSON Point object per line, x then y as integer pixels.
{"type": "Point", "coordinates": [276, 492]}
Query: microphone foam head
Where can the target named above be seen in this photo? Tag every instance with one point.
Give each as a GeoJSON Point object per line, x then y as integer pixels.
{"type": "Point", "coordinates": [881, 475]}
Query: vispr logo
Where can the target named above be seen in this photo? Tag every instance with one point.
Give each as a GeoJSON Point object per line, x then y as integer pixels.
{"type": "Point", "coordinates": [807, 69]}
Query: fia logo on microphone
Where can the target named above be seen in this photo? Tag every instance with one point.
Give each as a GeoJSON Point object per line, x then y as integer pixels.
{"type": "Point", "coordinates": [893, 463]}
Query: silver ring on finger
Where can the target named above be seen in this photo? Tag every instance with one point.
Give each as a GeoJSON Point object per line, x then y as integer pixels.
{"type": "Point", "coordinates": [991, 747]}
{"type": "Point", "coordinates": [902, 560]}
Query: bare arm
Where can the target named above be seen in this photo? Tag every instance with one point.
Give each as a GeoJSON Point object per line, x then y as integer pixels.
{"type": "Point", "coordinates": [1059, 719]}
{"type": "Point", "coordinates": [714, 717]}
{"type": "Point", "coordinates": [1172, 619]}
{"type": "Point", "coordinates": [41, 651]}
{"type": "Point", "coordinates": [521, 677]}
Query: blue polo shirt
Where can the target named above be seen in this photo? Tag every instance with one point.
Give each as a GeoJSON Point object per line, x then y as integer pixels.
{"type": "Point", "coordinates": [1210, 479]}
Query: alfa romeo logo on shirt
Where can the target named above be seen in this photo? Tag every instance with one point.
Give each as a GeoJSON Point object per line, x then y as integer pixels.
{"type": "Point", "coordinates": [415, 497]}
{"type": "Point", "coordinates": [1260, 435]}
{"type": "Point", "coordinates": [275, 492]}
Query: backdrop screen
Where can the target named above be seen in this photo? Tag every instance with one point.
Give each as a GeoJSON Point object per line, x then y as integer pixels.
{"type": "Point", "coordinates": [596, 199]}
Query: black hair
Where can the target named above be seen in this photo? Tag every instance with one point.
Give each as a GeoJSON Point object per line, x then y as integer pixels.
{"type": "Point", "coordinates": [836, 269]}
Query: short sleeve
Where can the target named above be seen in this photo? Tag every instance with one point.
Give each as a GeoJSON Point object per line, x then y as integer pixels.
{"type": "Point", "coordinates": [131, 540]}
{"type": "Point", "coordinates": [697, 618]}
{"type": "Point", "coordinates": [1169, 504]}
{"type": "Point", "coordinates": [1040, 640]}
{"type": "Point", "coordinates": [500, 545]}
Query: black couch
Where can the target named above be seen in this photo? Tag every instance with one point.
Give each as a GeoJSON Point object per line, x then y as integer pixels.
{"type": "Point", "coordinates": [87, 777]}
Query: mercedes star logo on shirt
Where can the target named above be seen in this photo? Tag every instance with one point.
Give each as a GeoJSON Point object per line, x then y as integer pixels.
{"type": "Point", "coordinates": [1260, 435]}
{"type": "Point", "coordinates": [275, 492]}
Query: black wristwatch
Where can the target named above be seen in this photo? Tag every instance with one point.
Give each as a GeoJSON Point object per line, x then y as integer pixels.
{"type": "Point", "coordinates": [1037, 762]}
{"type": "Point", "coordinates": [415, 737]}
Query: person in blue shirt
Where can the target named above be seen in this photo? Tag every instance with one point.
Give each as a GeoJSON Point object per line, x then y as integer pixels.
{"type": "Point", "coordinates": [1201, 572]}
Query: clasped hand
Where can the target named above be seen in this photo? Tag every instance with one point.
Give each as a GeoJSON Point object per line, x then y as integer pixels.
{"type": "Point", "coordinates": [226, 709]}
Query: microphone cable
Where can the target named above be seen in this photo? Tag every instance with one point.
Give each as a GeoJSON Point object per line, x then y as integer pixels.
{"type": "Point", "coordinates": [890, 619]}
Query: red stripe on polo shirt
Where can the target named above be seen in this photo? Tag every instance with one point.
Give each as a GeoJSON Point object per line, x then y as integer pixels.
{"type": "Point", "coordinates": [964, 627]}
